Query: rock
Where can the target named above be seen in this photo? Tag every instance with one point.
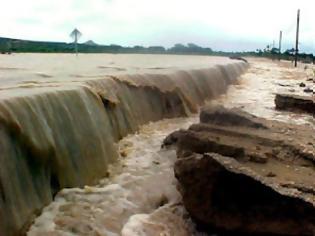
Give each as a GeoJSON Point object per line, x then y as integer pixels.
{"type": "Point", "coordinates": [295, 103]}
{"type": "Point", "coordinates": [172, 138]}
{"type": "Point", "coordinates": [284, 85]}
{"type": "Point", "coordinates": [192, 141]}
{"type": "Point", "coordinates": [308, 90]}
{"type": "Point", "coordinates": [219, 193]}
{"type": "Point", "coordinates": [302, 84]}
{"type": "Point", "coordinates": [219, 115]}
{"type": "Point", "coordinates": [237, 178]}
{"type": "Point", "coordinates": [271, 174]}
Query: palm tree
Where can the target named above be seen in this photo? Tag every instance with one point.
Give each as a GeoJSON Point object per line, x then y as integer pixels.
{"type": "Point", "coordinates": [76, 34]}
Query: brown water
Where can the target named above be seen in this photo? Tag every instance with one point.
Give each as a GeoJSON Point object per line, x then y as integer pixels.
{"type": "Point", "coordinates": [256, 91]}
{"type": "Point", "coordinates": [59, 129]}
{"type": "Point", "coordinates": [140, 196]}
{"type": "Point", "coordinates": [42, 70]}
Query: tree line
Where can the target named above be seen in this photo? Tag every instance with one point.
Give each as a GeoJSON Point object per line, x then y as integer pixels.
{"type": "Point", "coordinates": [8, 45]}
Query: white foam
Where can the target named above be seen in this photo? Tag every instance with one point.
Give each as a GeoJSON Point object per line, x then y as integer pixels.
{"type": "Point", "coordinates": [140, 197]}
{"type": "Point", "coordinates": [140, 185]}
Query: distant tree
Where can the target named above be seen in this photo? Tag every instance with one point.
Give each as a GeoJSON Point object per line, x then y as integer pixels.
{"type": "Point", "coordinates": [290, 51]}
{"type": "Point", "coordinates": [267, 49]}
{"type": "Point", "coordinates": [9, 46]}
{"type": "Point", "coordinates": [192, 45]}
{"type": "Point", "coordinates": [289, 54]}
{"type": "Point", "coordinates": [139, 49]}
{"type": "Point", "coordinates": [115, 48]}
{"type": "Point", "coordinates": [179, 46]}
{"type": "Point", "coordinates": [274, 51]}
{"type": "Point", "coordinates": [156, 49]}
{"type": "Point", "coordinates": [208, 50]}
{"type": "Point", "coordinates": [115, 45]}
{"type": "Point", "coordinates": [259, 52]}
{"type": "Point", "coordinates": [191, 48]}
{"type": "Point", "coordinates": [5, 46]}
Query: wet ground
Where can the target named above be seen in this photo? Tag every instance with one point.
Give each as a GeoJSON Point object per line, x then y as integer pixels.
{"type": "Point", "coordinates": [140, 196]}
{"type": "Point", "coordinates": [256, 91]}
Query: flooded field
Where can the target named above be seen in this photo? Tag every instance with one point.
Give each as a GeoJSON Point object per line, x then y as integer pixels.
{"type": "Point", "coordinates": [33, 70]}
{"type": "Point", "coordinates": [140, 197]}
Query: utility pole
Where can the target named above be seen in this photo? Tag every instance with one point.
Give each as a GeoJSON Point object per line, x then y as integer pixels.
{"type": "Point", "coordinates": [280, 42]}
{"type": "Point", "coordinates": [297, 38]}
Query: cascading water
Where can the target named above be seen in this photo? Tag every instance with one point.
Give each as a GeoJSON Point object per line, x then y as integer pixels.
{"type": "Point", "coordinates": [59, 130]}
{"type": "Point", "coordinates": [140, 197]}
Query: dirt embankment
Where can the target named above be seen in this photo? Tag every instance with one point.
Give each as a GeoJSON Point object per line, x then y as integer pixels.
{"type": "Point", "coordinates": [240, 174]}
{"type": "Point", "coordinates": [295, 103]}
{"type": "Point", "coordinates": [304, 101]}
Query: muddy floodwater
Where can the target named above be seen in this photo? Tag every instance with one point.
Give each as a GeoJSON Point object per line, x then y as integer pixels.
{"type": "Point", "coordinates": [61, 119]}
{"type": "Point", "coordinates": [256, 90]}
{"type": "Point", "coordinates": [34, 70]}
{"type": "Point", "coordinates": [139, 196]}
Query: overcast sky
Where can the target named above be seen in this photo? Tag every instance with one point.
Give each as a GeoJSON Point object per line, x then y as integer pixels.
{"type": "Point", "coordinates": [221, 24]}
